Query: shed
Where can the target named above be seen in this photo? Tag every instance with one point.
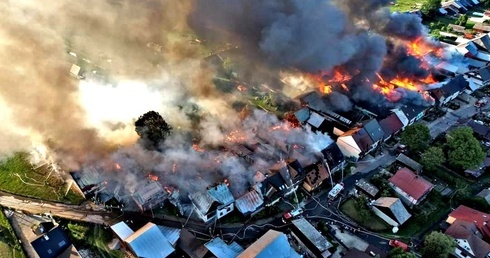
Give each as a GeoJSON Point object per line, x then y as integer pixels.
{"type": "Point", "coordinates": [405, 160]}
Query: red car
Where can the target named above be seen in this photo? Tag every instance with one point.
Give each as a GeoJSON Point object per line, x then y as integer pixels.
{"type": "Point", "coordinates": [396, 243]}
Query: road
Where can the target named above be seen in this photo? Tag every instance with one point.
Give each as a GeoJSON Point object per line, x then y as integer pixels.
{"type": "Point", "coordinates": [71, 212]}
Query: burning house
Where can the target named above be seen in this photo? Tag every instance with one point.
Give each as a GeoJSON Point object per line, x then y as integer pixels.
{"type": "Point", "coordinates": [281, 180]}
{"type": "Point", "coordinates": [250, 203]}
{"type": "Point", "coordinates": [213, 203]}
{"type": "Point", "coordinates": [149, 195]}
{"type": "Point", "coordinates": [450, 90]}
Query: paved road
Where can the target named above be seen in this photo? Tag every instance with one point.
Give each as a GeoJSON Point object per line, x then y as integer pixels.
{"type": "Point", "coordinates": [72, 212]}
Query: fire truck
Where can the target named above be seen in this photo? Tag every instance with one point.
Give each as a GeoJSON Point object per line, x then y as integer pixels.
{"type": "Point", "coordinates": [335, 191]}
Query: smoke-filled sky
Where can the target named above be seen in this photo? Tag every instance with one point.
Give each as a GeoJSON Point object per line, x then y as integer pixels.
{"type": "Point", "coordinates": [89, 121]}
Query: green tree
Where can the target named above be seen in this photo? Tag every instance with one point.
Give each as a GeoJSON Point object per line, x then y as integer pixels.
{"type": "Point", "coordinates": [432, 158]}
{"type": "Point", "coordinates": [464, 150]}
{"type": "Point", "coordinates": [437, 245]}
{"type": "Point", "coordinates": [152, 128]}
{"type": "Point", "coordinates": [416, 137]}
{"type": "Point", "coordinates": [400, 253]}
{"type": "Point", "coordinates": [430, 8]}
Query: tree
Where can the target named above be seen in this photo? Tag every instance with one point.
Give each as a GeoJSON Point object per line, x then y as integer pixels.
{"type": "Point", "coordinates": [400, 253]}
{"type": "Point", "coordinates": [430, 8]}
{"type": "Point", "coordinates": [437, 245]}
{"type": "Point", "coordinates": [464, 150]}
{"type": "Point", "coordinates": [152, 128]}
{"type": "Point", "coordinates": [416, 137]}
{"type": "Point", "coordinates": [432, 158]}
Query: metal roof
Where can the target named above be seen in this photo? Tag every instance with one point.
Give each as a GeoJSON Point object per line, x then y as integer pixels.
{"type": "Point", "coordinates": [367, 187]}
{"type": "Point", "coordinates": [221, 193]}
{"type": "Point", "coordinates": [249, 202]}
{"type": "Point", "coordinates": [271, 244]}
{"type": "Point", "coordinates": [313, 236]}
{"type": "Point", "coordinates": [407, 161]}
{"type": "Point", "coordinates": [398, 211]}
{"type": "Point", "coordinates": [221, 250]}
{"type": "Point", "coordinates": [148, 190]}
{"type": "Point", "coordinates": [122, 230]}
{"type": "Point", "coordinates": [316, 120]}
{"type": "Point", "coordinates": [171, 234]}
{"type": "Point", "coordinates": [302, 115]}
{"type": "Point", "coordinates": [149, 241]}
{"type": "Point", "coordinates": [202, 200]}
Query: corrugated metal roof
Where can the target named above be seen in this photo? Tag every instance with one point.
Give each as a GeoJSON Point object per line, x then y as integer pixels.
{"type": "Point", "coordinates": [222, 194]}
{"type": "Point", "coordinates": [149, 241]}
{"type": "Point", "coordinates": [319, 241]}
{"type": "Point", "coordinates": [249, 202]}
{"type": "Point", "coordinates": [412, 184]}
{"type": "Point", "coordinates": [302, 115]}
{"type": "Point", "coordinates": [271, 244]}
{"type": "Point", "coordinates": [316, 120]}
{"type": "Point", "coordinates": [171, 234]}
{"type": "Point", "coordinates": [221, 250]}
{"type": "Point", "coordinates": [202, 201]}
{"type": "Point", "coordinates": [122, 230]}
{"type": "Point", "coordinates": [147, 191]}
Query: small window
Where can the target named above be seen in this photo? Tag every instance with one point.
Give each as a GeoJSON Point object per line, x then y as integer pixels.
{"type": "Point", "coordinates": [62, 243]}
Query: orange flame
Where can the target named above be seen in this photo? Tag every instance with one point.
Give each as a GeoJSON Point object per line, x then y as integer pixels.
{"type": "Point", "coordinates": [227, 182]}
{"type": "Point", "coordinates": [241, 88]}
{"type": "Point", "coordinates": [420, 47]}
{"type": "Point", "coordinates": [197, 148]}
{"type": "Point", "coordinates": [117, 166]}
{"type": "Point", "coordinates": [167, 189]}
{"type": "Point", "coordinates": [236, 136]}
{"type": "Point", "coordinates": [152, 177]}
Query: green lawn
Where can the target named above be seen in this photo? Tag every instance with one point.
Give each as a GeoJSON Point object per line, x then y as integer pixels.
{"type": "Point", "coordinates": [374, 223]}
{"type": "Point", "coordinates": [406, 5]}
{"type": "Point", "coordinates": [9, 244]}
{"type": "Point", "coordinates": [93, 237]}
{"type": "Point", "coordinates": [17, 176]}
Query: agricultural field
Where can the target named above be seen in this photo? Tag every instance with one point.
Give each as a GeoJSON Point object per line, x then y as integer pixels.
{"type": "Point", "coordinates": [17, 176]}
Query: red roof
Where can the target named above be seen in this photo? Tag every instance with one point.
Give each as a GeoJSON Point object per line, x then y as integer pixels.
{"type": "Point", "coordinates": [411, 183]}
{"type": "Point", "coordinates": [468, 214]}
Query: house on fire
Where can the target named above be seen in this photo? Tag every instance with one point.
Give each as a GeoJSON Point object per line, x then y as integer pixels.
{"type": "Point", "coordinates": [316, 174]}
{"type": "Point", "coordinates": [149, 194]}
{"type": "Point", "coordinates": [449, 91]}
{"type": "Point", "coordinates": [281, 180]}
{"type": "Point", "coordinates": [358, 142]}
{"type": "Point", "coordinates": [333, 158]}
{"type": "Point", "coordinates": [213, 203]}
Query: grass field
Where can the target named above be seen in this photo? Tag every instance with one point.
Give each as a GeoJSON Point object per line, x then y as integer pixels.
{"type": "Point", "coordinates": [406, 5]}
{"type": "Point", "coordinates": [9, 245]}
{"type": "Point", "coordinates": [374, 224]}
{"type": "Point", "coordinates": [17, 176]}
{"type": "Point", "coordinates": [93, 237]}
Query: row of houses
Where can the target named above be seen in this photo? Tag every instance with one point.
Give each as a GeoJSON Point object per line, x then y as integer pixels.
{"type": "Point", "coordinates": [280, 180]}
{"type": "Point", "coordinates": [159, 241]}
{"type": "Point", "coordinates": [357, 138]}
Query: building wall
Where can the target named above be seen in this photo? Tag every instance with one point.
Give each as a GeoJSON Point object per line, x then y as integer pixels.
{"type": "Point", "coordinates": [223, 211]}
{"type": "Point", "coordinates": [349, 147]}
{"type": "Point", "coordinates": [385, 217]}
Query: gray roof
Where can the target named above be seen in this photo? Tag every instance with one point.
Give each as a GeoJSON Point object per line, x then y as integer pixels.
{"type": "Point", "coordinates": [122, 230]}
{"type": "Point", "coordinates": [147, 191]}
{"type": "Point", "coordinates": [171, 234]}
{"type": "Point", "coordinates": [202, 200]}
{"type": "Point", "coordinates": [316, 120]}
{"type": "Point", "coordinates": [271, 244]}
{"type": "Point", "coordinates": [310, 232]}
{"type": "Point", "coordinates": [398, 211]}
{"type": "Point", "coordinates": [374, 130]}
{"type": "Point", "coordinates": [302, 115]}
{"type": "Point", "coordinates": [149, 241]}
{"type": "Point", "coordinates": [485, 73]}
{"type": "Point", "coordinates": [409, 162]}
{"type": "Point", "coordinates": [221, 250]}
{"type": "Point", "coordinates": [367, 187]}
{"type": "Point", "coordinates": [249, 202]}
{"type": "Point", "coordinates": [485, 194]}
{"type": "Point", "coordinates": [221, 193]}
{"type": "Point", "coordinates": [191, 245]}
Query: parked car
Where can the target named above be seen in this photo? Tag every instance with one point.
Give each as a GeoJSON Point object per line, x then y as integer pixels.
{"type": "Point", "coordinates": [292, 214]}
{"type": "Point", "coordinates": [396, 243]}
{"type": "Point", "coordinates": [481, 102]}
